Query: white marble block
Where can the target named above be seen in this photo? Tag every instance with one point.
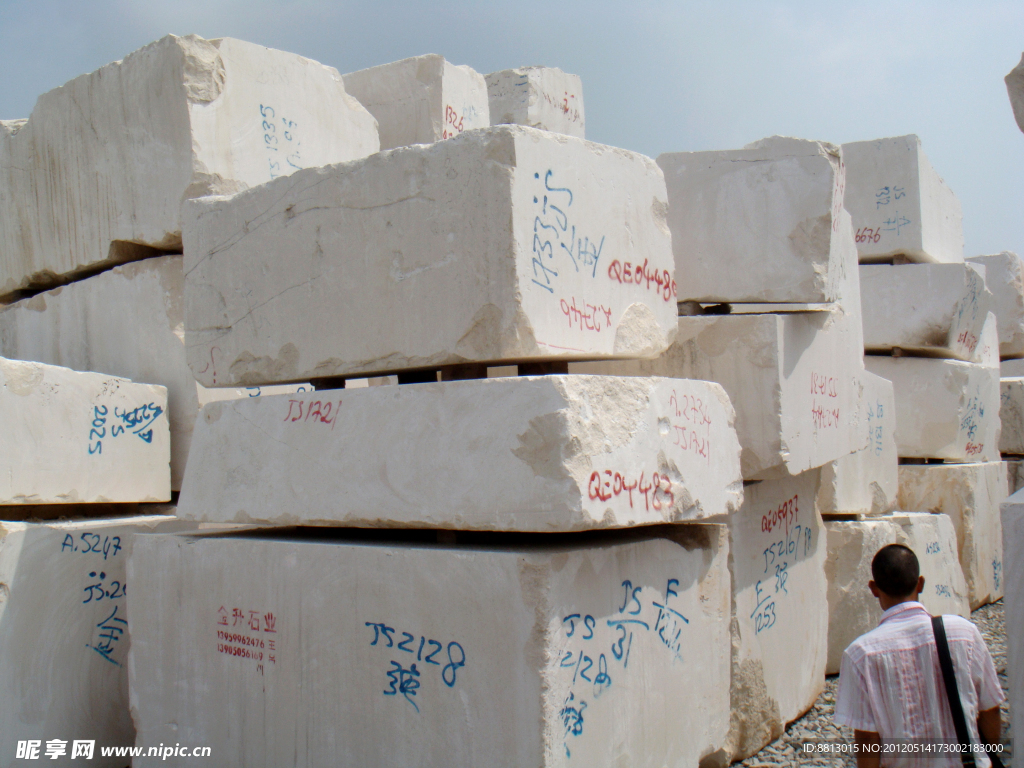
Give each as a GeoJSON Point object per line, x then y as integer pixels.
{"type": "Point", "coordinates": [780, 612]}
{"type": "Point", "coordinates": [577, 651]}
{"type": "Point", "coordinates": [932, 309]}
{"type": "Point", "coordinates": [945, 409]}
{"type": "Point", "coordinates": [544, 453]}
{"type": "Point", "coordinates": [759, 224]}
{"type": "Point", "coordinates": [503, 244]}
{"type": "Point", "coordinates": [1014, 475]}
{"type": "Point", "coordinates": [866, 482]}
{"type": "Point", "coordinates": [540, 97]}
{"type": "Point", "coordinates": [852, 609]}
{"type": "Point", "coordinates": [1015, 88]}
{"type": "Point", "coordinates": [793, 378]}
{"type": "Point", "coordinates": [64, 633]}
{"type": "Point", "coordinates": [1004, 277]}
{"type": "Point", "coordinates": [72, 438]}
{"type": "Point", "coordinates": [970, 494]}
{"type": "Point", "coordinates": [900, 205]}
{"type": "Point", "coordinates": [933, 539]}
{"type": "Point", "coordinates": [109, 156]}
{"type": "Point", "coordinates": [125, 322]}
{"type": "Point", "coordinates": [1013, 603]}
{"type": "Point", "coordinates": [1011, 369]}
{"type": "Point", "coordinates": [1011, 416]}
{"type": "Point", "coordinates": [421, 100]}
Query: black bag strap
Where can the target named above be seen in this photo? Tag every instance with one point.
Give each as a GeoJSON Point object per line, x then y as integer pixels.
{"type": "Point", "coordinates": [956, 708]}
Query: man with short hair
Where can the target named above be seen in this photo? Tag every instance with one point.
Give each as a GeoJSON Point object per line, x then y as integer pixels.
{"type": "Point", "coordinates": [890, 681]}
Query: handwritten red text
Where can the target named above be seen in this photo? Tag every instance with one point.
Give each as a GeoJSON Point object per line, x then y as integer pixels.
{"type": "Point", "coordinates": [640, 274]}
{"type": "Point", "coordinates": [657, 492]}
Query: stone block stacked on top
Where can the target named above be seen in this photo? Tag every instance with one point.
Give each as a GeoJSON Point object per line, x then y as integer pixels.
{"type": "Point", "coordinates": [540, 97]}
{"type": "Point", "coordinates": [486, 249]}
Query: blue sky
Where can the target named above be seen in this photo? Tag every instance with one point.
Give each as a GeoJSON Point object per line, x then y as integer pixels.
{"type": "Point", "coordinates": [657, 77]}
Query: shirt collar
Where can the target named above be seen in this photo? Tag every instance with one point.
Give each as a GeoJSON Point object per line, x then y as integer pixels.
{"type": "Point", "coordinates": [904, 610]}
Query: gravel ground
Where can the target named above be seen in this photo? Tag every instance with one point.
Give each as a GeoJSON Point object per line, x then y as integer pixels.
{"type": "Point", "coordinates": [817, 724]}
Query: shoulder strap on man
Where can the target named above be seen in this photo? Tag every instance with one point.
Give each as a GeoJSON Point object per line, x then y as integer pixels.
{"type": "Point", "coordinates": [963, 735]}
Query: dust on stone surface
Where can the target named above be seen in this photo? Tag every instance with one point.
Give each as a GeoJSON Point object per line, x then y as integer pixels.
{"type": "Point", "coordinates": [818, 725]}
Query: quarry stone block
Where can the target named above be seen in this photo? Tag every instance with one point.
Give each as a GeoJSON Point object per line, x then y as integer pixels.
{"type": "Point", "coordinates": [866, 482]}
{"type": "Point", "coordinates": [566, 256]}
{"type": "Point", "coordinates": [780, 613]}
{"type": "Point", "coordinates": [900, 205]}
{"type": "Point", "coordinates": [794, 380]}
{"type": "Point", "coordinates": [970, 494]}
{"type": "Point", "coordinates": [421, 100]}
{"type": "Point", "coordinates": [540, 97]}
{"type": "Point", "coordinates": [1012, 513]}
{"type": "Point", "coordinates": [1011, 369]}
{"type": "Point", "coordinates": [1004, 277]}
{"type": "Point", "coordinates": [73, 438]}
{"type": "Point", "coordinates": [759, 224]}
{"type": "Point", "coordinates": [1015, 88]}
{"type": "Point", "coordinates": [561, 652]}
{"type": "Point", "coordinates": [64, 632]}
{"type": "Point", "coordinates": [933, 539]}
{"type": "Point", "coordinates": [128, 322]}
{"type": "Point", "coordinates": [928, 309]}
{"type": "Point", "coordinates": [945, 409]}
{"type": "Point", "coordinates": [1011, 416]}
{"type": "Point", "coordinates": [97, 174]}
{"type": "Point", "coordinates": [544, 453]}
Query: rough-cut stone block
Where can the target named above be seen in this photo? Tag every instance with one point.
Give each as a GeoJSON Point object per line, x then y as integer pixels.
{"type": "Point", "coordinates": [933, 539]}
{"type": "Point", "coordinates": [866, 482]}
{"type": "Point", "coordinates": [421, 100]}
{"type": "Point", "coordinates": [1014, 476]}
{"type": "Point", "coordinates": [540, 97]}
{"type": "Point", "coordinates": [1004, 277]}
{"type": "Point", "coordinates": [71, 437]}
{"type": "Point", "coordinates": [1011, 369]}
{"type": "Point", "coordinates": [124, 322]}
{"type": "Point", "coordinates": [793, 379]}
{"type": "Point", "coordinates": [503, 244]}
{"type": "Point", "coordinates": [759, 224]}
{"type": "Point", "coordinates": [933, 309]}
{"type": "Point", "coordinates": [852, 609]}
{"type": "Point", "coordinates": [900, 205]}
{"type": "Point", "coordinates": [570, 651]}
{"type": "Point", "coordinates": [545, 453]}
{"type": "Point", "coordinates": [98, 174]}
{"type": "Point", "coordinates": [945, 409]}
{"type": "Point", "coordinates": [1011, 416]}
{"type": "Point", "coordinates": [970, 494]}
{"type": "Point", "coordinates": [1013, 603]}
{"type": "Point", "coordinates": [64, 633]}
{"type": "Point", "coordinates": [780, 614]}
{"type": "Point", "coordinates": [1015, 88]}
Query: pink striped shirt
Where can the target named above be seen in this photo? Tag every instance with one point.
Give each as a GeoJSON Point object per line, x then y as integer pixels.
{"type": "Point", "coordinates": [890, 681]}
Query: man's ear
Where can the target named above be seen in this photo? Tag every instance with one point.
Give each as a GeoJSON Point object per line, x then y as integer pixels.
{"type": "Point", "coordinates": [874, 589]}
{"type": "Point", "coordinates": [920, 584]}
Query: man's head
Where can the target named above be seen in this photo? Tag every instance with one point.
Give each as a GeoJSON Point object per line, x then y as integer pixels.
{"type": "Point", "coordinates": [896, 575]}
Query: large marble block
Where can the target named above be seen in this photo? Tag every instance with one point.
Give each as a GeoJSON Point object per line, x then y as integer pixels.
{"type": "Point", "coordinates": [780, 611]}
{"type": "Point", "coordinates": [852, 609]}
{"type": "Point", "coordinates": [1011, 416]}
{"type": "Point", "coordinates": [866, 482]}
{"type": "Point", "coordinates": [503, 244]}
{"type": "Point", "coordinates": [900, 205]}
{"type": "Point", "coordinates": [1015, 88]}
{"type": "Point", "coordinates": [71, 438]}
{"type": "Point", "coordinates": [128, 322]}
{"type": "Point", "coordinates": [1012, 513]}
{"type": "Point", "coordinates": [1011, 369]}
{"type": "Point", "coordinates": [64, 633]}
{"type": "Point", "coordinates": [98, 173]}
{"type": "Point", "coordinates": [544, 453]}
{"type": "Point", "coordinates": [421, 100]}
{"type": "Point", "coordinates": [565, 651]}
{"type": "Point", "coordinates": [793, 378]}
{"type": "Point", "coordinates": [759, 224]}
{"type": "Point", "coordinates": [970, 495]}
{"type": "Point", "coordinates": [541, 97]}
{"type": "Point", "coordinates": [945, 409]}
{"type": "Point", "coordinates": [933, 539]}
{"type": "Point", "coordinates": [932, 309]}
{"type": "Point", "coordinates": [1004, 277]}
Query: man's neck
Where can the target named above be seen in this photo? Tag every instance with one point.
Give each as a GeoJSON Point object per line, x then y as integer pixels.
{"type": "Point", "coordinates": [891, 602]}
